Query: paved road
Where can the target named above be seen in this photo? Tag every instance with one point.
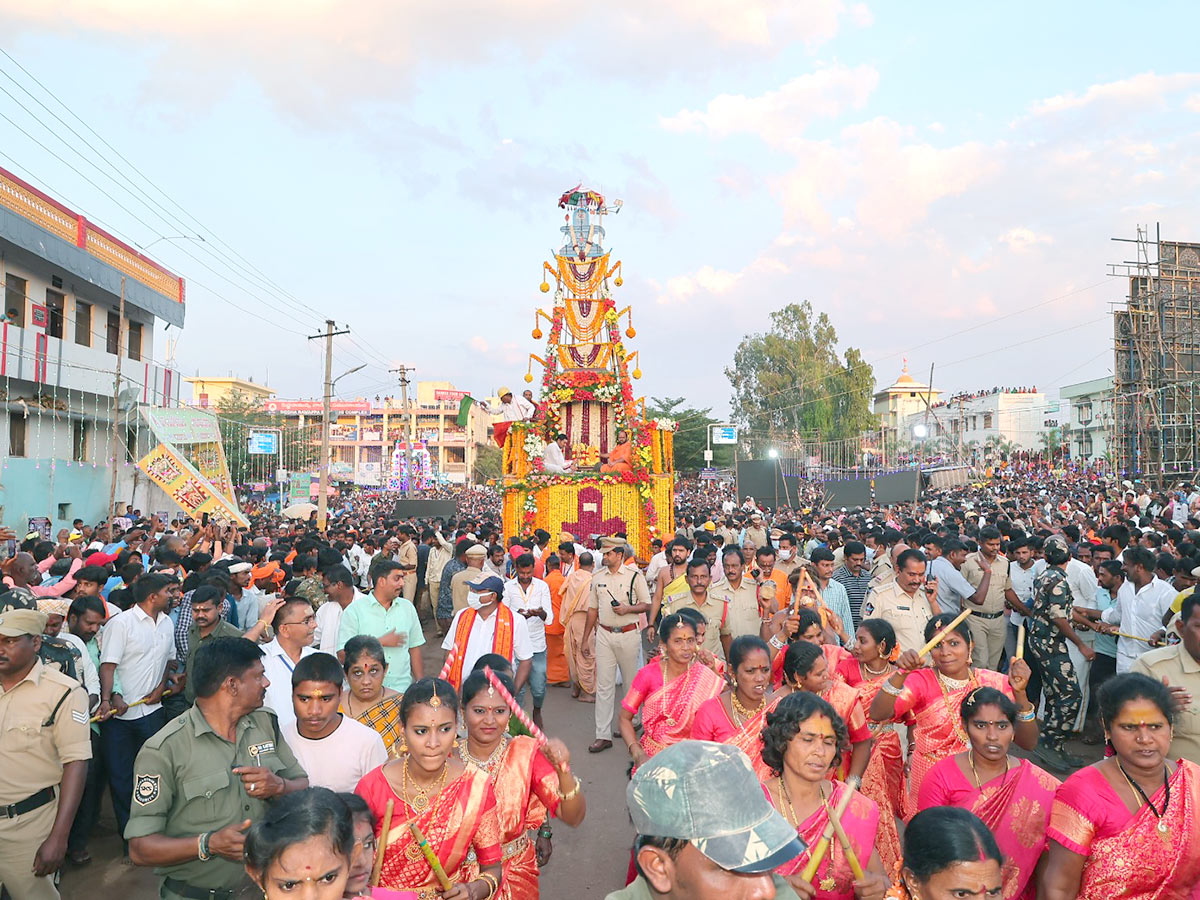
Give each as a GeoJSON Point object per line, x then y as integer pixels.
{"type": "Point", "coordinates": [588, 862]}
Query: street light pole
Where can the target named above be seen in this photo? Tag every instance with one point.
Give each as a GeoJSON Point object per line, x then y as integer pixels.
{"type": "Point", "coordinates": [323, 471]}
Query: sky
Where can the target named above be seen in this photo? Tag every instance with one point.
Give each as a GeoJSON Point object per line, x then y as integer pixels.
{"type": "Point", "coordinates": [944, 180]}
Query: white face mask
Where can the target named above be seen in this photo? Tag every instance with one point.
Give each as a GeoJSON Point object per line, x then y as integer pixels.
{"type": "Point", "coordinates": [474, 600]}
{"type": "Point", "coordinates": [786, 554]}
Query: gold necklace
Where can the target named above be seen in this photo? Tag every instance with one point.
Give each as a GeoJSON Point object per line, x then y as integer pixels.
{"type": "Point", "coordinates": [741, 711]}
{"type": "Point", "coordinates": [978, 783]}
{"type": "Point", "coordinates": [886, 665]}
{"type": "Point", "coordinates": [420, 800]}
{"type": "Point", "coordinates": [827, 883]}
{"type": "Point", "coordinates": [955, 685]}
{"type": "Point", "coordinates": [489, 764]}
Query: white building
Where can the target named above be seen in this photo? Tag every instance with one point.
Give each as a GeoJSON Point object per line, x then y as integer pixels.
{"type": "Point", "coordinates": [896, 404]}
{"type": "Point", "coordinates": [61, 335]}
{"type": "Point", "coordinates": [977, 420]}
{"type": "Point", "coordinates": [1091, 419]}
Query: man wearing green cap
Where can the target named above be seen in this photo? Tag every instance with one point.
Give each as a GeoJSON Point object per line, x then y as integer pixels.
{"type": "Point", "coordinates": [43, 758]}
{"type": "Point", "coordinates": [705, 829]}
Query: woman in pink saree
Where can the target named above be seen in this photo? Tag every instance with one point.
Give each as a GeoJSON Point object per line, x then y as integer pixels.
{"type": "Point", "coordinates": [801, 745]}
{"type": "Point", "coordinates": [1012, 796]}
{"type": "Point", "coordinates": [668, 691]}
{"type": "Point", "coordinates": [931, 698]}
{"type": "Point", "coordinates": [1128, 826]}
{"type": "Point", "coordinates": [738, 715]}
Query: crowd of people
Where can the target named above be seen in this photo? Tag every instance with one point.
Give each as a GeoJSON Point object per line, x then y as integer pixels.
{"type": "Point", "coordinates": [986, 694]}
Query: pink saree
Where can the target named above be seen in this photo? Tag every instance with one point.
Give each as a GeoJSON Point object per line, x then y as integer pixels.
{"type": "Point", "coordinates": [834, 880]}
{"type": "Point", "coordinates": [883, 781]}
{"type": "Point", "coordinates": [1126, 854]}
{"type": "Point", "coordinates": [1015, 807]}
{"type": "Point", "coordinates": [668, 708]}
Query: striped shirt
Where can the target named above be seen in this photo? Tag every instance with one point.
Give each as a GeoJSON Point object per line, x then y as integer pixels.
{"type": "Point", "coordinates": [856, 589]}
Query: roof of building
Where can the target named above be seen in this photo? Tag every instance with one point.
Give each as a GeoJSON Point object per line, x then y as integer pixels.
{"type": "Point", "coordinates": [907, 384]}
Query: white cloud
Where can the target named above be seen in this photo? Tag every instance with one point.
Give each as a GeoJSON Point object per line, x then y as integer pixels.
{"type": "Point", "coordinates": [1021, 239]}
{"type": "Point", "coordinates": [1145, 89]}
{"type": "Point", "coordinates": [780, 116]}
{"type": "Point", "coordinates": [478, 344]}
{"type": "Point", "coordinates": [862, 16]}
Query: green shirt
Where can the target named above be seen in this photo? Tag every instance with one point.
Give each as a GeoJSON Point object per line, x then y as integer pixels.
{"type": "Point", "coordinates": [183, 785]}
{"type": "Point", "coordinates": [639, 890]}
{"type": "Point", "coordinates": [366, 615]}
{"type": "Point", "coordinates": [223, 629]}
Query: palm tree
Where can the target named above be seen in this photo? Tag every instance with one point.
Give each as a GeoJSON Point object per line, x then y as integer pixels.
{"type": "Point", "coordinates": [1051, 441]}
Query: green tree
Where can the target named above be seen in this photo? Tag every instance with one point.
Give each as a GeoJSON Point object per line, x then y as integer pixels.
{"type": "Point", "coordinates": [691, 436]}
{"type": "Point", "coordinates": [238, 414]}
{"type": "Point", "coordinates": [790, 382]}
{"type": "Point", "coordinates": [489, 463]}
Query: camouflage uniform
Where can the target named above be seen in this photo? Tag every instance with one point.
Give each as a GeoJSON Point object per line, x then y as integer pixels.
{"type": "Point", "coordinates": [311, 590]}
{"type": "Point", "coordinates": [58, 655]}
{"type": "Point", "coordinates": [1052, 600]}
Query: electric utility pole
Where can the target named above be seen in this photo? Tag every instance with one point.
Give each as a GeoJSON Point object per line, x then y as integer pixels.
{"type": "Point", "coordinates": [322, 499]}
{"type": "Point", "coordinates": [403, 371]}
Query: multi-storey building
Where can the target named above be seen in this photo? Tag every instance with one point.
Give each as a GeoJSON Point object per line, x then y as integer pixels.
{"type": "Point", "coordinates": [78, 304]}
{"type": "Point", "coordinates": [1090, 429]}
{"type": "Point", "coordinates": [212, 392]}
{"type": "Point", "coordinates": [895, 404]}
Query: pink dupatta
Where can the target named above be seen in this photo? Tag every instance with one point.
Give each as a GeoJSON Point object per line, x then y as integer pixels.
{"type": "Point", "coordinates": [668, 710]}
{"type": "Point", "coordinates": [834, 880]}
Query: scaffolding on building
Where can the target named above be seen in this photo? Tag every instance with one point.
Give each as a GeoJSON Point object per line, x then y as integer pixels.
{"type": "Point", "coordinates": [1156, 345]}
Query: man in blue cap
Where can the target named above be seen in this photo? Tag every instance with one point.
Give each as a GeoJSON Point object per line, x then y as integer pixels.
{"type": "Point", "coordinates": [487, 626]}
{"type": "Point", "coordinates": [705, 829]}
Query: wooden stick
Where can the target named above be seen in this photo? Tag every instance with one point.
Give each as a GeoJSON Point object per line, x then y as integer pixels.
{"type": "Point", "coordinates": [1020, 642]}
{"type": "Point", "coordinates": [514, 706]}
{"type": "Point", "coordinates": [818, 852]}
{"type": "Point", "coordinates": [1132, 637]}
{"type": "Point", "coordinates": [844, 840]}
{"type": "Point", "coordinates": [132, 705]}
{"type": "Point", "coordinates": [377, 869]}
{"type": "Point", "coordinates": [941, 635]}
{"type": "Point", "coordinates": [445, 673]}
{"type": "Point", "coordinates": [430, 856]}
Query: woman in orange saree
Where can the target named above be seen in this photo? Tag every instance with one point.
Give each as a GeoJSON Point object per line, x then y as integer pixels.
{"type": "Point", "coordinates": [668, 691]}
{"type": "Point", "coordinates": [801, 743]}
{"type": "Point", "coordinates": [883, 781]}
{"type": "Point", "coordinates": [805, 669]}
{"type": "Point", "coordinates": [1128, 826]}
{"type": "Point", "coordinates": [931, 697]}
{"type": "Point", "coordinates": [368, 700]}
{"type": "Point", "coordinates": [1012, 796]}
{"type": "Point", "coordinates": [453, 804]}
{"type": "Point", "coordinates": [737, 716]}
{"type": "Point", "coordinates": [531, 783]}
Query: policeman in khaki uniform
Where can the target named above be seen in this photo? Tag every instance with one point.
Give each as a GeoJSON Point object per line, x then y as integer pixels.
{"type": "Point", "coordinates": [908, 603]}
{"type": "Point", "coordinates": [714, 609]}
{"type": "Point", "coordinates": [619, 599]}
{"type": "Point", "coordinates": [44, 749]}
{"type": "Point", "coordinates": [207, 775]}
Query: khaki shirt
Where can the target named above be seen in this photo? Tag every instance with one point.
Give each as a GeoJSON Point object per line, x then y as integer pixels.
{"type": "Point", "coordinates": [973, 572]}
{"type": "Point", "coordinates": [743, 616]}
{"type": "Point", "coordinates": [183, 785]}
{"type": "Point", "coordinates": [32, 752]}
{"type": "Point", "coordinates": [907, 614]}
{"type": "Point", "coordinates": [222, 629]}
{"type": "Point", "coordinates": [758, 537]}
{"type": "Point", "coordinates": [458, 585]}
{"type": "Point", "coordinates": [625, 587]}
{"type": "Point", "coordinates": [1177, 666]}
{"type": "Point", "coordinates": [715, 612]}
{"type": "Point", "coordinates": [407, 557]}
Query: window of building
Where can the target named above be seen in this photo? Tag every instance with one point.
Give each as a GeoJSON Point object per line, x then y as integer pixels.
{"type": "Point", "coordinates": [79, 440]}
{"type": "Point", "coordinates": [135, 340]}
{"type": "Point", "coordinates": [987, 420]}
{"type": "Point", "coordinates": [1085, 412]}
{"type": "Point", "coordinates": [54, 313]}
{"type": "Point", "coordinates": [112, 333]}
{"type": "Point", "coordinates": [131, 447]}
{"type": "Point", "coordinates": [14, 299]}
{"type": "Point", "coordinates": [83, 323]}
{"type": "Point", "coordinates": [16, 434]}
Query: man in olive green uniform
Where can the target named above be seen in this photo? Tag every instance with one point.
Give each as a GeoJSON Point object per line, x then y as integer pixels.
{"type": "Point", "coordinates": [311, 588]}
{"type": "Point", "coordinates": [43, 758]}
{"type": "Point", "coordinates": [206, 776]}
{"type": "Point", "coordinates": [206, 625]}
{"type": "Point", "coordinates": [618, 599]}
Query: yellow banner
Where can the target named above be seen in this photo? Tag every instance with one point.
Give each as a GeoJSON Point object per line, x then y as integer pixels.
{"type": "Point", "coordinates": [187, 487]}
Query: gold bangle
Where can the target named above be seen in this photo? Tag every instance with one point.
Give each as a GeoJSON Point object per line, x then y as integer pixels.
{"type": "Point", "coordinates": [573, 793]}
{"type": "Point", "coordinates": [493, 884]}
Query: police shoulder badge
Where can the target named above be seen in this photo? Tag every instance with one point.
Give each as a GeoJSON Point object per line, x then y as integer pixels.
{"type": "Point", "coordinates": [145, 789]}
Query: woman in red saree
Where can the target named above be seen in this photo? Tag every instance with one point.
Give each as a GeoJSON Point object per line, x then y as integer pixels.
{"type": "Point", "coordinates": [453, 804]}
{"type": "Point", "coordinates": [1128, 826]}
{"type": "Point", "coordinates": [931, 697]}
{"type": "Point", "coordinates": [883, 781]}
{"type": "Point", "coordinates": [805, 669]}
{"type": "Point", "coordinates": [801, 743]}
{"type": "Point", "coordinates": [1012, 796]}
{"type": "Point", "coordinates": [668, 691]}
{"type": "Point", "coordinates": [737, 716]}
{"type": "Point", "coordinates": [531, 783]}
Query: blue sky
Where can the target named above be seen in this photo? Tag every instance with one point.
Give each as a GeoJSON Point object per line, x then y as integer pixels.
{"type": "Point", "coordinates": [919, 171]}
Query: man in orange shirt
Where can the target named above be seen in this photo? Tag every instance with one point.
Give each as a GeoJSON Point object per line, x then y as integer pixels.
{"type": "Point", "coordinates": [557, 671]}
{"type": "Point", "coordinates": [764, 570]}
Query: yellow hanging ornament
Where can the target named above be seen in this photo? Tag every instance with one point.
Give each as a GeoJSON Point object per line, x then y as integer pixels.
{"type": "Point", "coordinates": [629, 332]}
{"type": "Point", "coordinates": [544, 287]}
{"type": "Point", "coordinates": [529, 378]}
{"type": "Point", "coordinates": [537, 334]}
{"type": "Point", "coordinates": [637, 373]}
